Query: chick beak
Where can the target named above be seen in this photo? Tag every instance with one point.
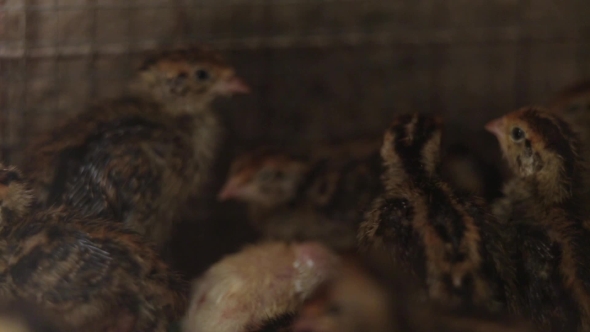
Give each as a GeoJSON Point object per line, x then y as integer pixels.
{"type": "Point", "coordinates": [235, 85]}
{"type": "Point", "coordinates": [230, 190]}
{"type": "Point", "coordinates": [495, 127]}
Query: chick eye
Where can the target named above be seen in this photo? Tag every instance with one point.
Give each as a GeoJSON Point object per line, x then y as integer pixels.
{"type": "Point", "coordinates": [202, 75]}
{"type": "Point", "coordinates": [517, 134]}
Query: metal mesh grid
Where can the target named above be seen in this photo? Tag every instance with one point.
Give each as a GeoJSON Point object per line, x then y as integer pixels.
{"type": "Point", "coordinates": [329, 67]}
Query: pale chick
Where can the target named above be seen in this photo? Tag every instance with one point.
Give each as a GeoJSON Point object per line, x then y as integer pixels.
{"type": "Point", "coordinates": [91, 273]}
{"type": "Point", "coordinates": [137, 158]}
{"type": "Point", "coordinates": [258, 286]}
{"type": "Point", "coordinates": [366, 297]}
{"type": "Point", "coordinates": [542, 205]}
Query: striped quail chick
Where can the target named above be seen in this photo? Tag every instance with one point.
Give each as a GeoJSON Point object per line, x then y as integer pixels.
{"type": "Point", "coordinates": [93, 274]}
{"type": "Point", "coordinates": [448, 242]}
{"type": "Point", "coordinates": [551, 245]}
{"type": "Point", "coordinates": [293, 198]}
{"type": "Point", "coordinates": [137, 158]}
{"type": "Point", "coordinates": [260, 288]}
{"type": "Point", "coordinates": [369, 296]}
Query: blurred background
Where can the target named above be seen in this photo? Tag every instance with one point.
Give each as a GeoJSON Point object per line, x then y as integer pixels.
{"type": "Point", "coordinates": [320, 70]}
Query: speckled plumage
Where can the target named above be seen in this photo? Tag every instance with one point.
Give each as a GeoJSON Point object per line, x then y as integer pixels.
{"type": "Point", "coordinates": [449, 242]}
{"type": "Point", "coordinates": [541, 203]}
{"type": "Point", "coordinates": [137, 158]}
{"type": "Point", "coordinates": [93, 274]}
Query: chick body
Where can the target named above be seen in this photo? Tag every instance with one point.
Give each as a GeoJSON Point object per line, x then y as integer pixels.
{"type": "Point", "coordinates": [136, 159]}
{"type": "Point", "coordinates": [93, 274]}
{"type": "Point", "coordinates": [258, 287]}
{"type": "Point", "coordinates": [541, 204]}
{"type": "Point", "coordinates": [449, 242]}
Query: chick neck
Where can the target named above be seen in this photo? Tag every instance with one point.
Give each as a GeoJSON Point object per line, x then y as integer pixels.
{"type": "Point", "coordinates": [554, 186]}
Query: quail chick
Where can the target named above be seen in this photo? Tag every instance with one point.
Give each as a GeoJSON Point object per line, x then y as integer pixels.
{"type": "Point", "coordinates": [295, 198]}
{"type": "Point", "coordinates": [93, 274]}
{"type": "Point", "coordinates": [541, 202]}
{"type": "Point", "coordinates": [137, 158]}
{"type": "Point", "coordinates": [366, 297]}
{"type": "Point", "coordinates": [449, 242]}
{"type": "Point", "coordinates": [258, 289]}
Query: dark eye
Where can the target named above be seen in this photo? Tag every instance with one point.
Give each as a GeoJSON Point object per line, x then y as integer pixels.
{"type": "Point", "coordinates": [202, 75]}
{"type": "Point", "coordinates": [517, 134]}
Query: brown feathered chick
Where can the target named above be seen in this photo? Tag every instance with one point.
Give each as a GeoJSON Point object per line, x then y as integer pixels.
{"type": "Point", "coordinates": [551, 244]}
{"type": "Point", "coordinates": [136, 159]}
{"type": "Point", "coordinates": [449, 242]}
{"type": "Point", "coordinates": [366, 297]}
{"type": "Point", "coordinates": [293, 198]}
{"type": "Point", "coordinates": [259, 288]}
{"type": "Point", "coordinates": [93, 274]}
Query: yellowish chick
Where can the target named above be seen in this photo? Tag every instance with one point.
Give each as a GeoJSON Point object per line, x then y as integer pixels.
{"type": "Point", "coordinates": [259, 288]}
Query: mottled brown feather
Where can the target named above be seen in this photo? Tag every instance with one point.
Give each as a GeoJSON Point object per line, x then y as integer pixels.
{"type": "Point", "coordinates": [93, 274]}
{"type": "Point", "coordinates": [136, 158]}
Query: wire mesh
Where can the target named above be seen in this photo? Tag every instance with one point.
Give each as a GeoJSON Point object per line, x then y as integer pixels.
{"type": "Point", "coordinates": [319, 68]}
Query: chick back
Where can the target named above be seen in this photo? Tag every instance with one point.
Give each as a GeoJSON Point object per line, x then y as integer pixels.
{"type": "Point", "coordinates": [94, 274]}
{"type": "Point", "coordinates": [125, 160]}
